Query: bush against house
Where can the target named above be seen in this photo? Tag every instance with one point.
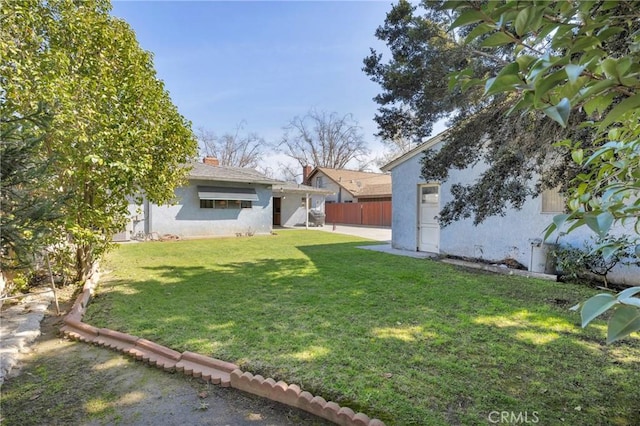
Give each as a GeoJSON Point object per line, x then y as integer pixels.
{"type": "Point", "coordinates": [114, 132]}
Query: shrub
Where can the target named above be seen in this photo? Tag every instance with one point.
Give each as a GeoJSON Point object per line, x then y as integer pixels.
{"type": "Point", "coordinates": [576, 263]}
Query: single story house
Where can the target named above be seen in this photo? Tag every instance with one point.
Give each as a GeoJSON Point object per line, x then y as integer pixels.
{"type": "Point", "coordinates": [516, 235]}
{"type": "Point", "coordinates": [349, 186]}
{"type": "Point", "coordinates": [225, 201]}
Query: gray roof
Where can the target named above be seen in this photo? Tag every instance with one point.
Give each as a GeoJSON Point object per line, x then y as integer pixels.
{"type": "Point", "coordinates": [292, 187]}
{"type": "Point", "coordinates": [228, 174]}
{"type": "Point", "coordinates": [208, 172]}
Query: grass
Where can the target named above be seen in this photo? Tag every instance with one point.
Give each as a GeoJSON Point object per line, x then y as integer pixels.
{"type": "Point", "coordinates": [405, 340]}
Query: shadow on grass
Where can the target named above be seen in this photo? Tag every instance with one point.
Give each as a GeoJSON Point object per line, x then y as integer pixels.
{"type": "Point", "coordinates": [69, 383]}
{"type": "Point", "coordinates": [406, 340]}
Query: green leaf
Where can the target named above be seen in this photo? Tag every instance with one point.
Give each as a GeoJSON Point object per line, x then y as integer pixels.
{"type": "Point", "coordinates": [605, 33]}
{"type": "Point", "coordinates": [489, 84]}
{"type": "Point", "coordinates": [560, 219]}
{"type": "Point", "coordinates": [599, 103]}
{"type": "Point", "coordinates": [510, 69]}
{"type": "Point", "coordinates": [501, 84]}
{"type": "Point", "coordinates": [595, 307]}
{"type": "Point", "coordinates": [524, 61]}
{"type": "Point", "coordinates": [549, 82]}
{"type": "Point", "coordinates": [599, 223]}
{"type": "Point", "coordinates": [559, 112]}
{"type": "Point", "coordinates": [610, 69]}
{"type": "Point", "coordinates": [575, 225]}
{"type": "Point", "coordinates": [608, 251]}
{"type": "Point", "coordinates": [628, 292]}
{"type": "Point", "coordinates": [622, 66]}
{"type": "Point", "coordinates": [585, 43]}
{"type": "Point", "coordinates": [522, 20]}
{"type": "Point", "coordinates": [497, 39]}
{"type": "Point", "coordinates": [573, 72]}
{"type": "Point", "coordinates": [563, 36]}
{"type": "Point", "coordinates": [597, 88]}
{"type": "Point", "coordinates": [549, 230]}
{"type": "Point", "coordinates": [577, 156]}
{"type": "Point", "coordinates": [602, 151]}
{"type": "Point", "coordinates": [469, 16]}
{"type": "Point", "coordinates": [630, 301]}
{"type": "Point", "coordinates": [545, 30]}
{"type": "Point", "coordinates": [535, 18]}
{"type": "Point", "coordinates": [525, 102]}
{"type": "Point", "coordinates": [623, 107]}
{"type": "Point", "coordinates": [479, 30]}
{"type": "Point", "coordinates": [625, 320]}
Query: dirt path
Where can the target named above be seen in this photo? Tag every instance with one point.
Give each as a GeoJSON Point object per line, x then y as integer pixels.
{"type": "Point", "coordinates": [61, 382]}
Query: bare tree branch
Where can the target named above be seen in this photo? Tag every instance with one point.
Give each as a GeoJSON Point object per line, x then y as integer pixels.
{"type": "Point", "coordinates": [289, 172]}
{"type": "Point", "coordinates": [321, 139]}
{"type": "Point", "coordinates": [232, 149]}
{"type": "Point", "coordinates": [394, 148]}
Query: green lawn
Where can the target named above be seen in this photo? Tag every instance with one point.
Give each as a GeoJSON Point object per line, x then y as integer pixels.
{"type": "Point", "coordinates": [406, 340]}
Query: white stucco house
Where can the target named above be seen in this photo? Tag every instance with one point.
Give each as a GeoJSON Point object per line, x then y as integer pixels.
{"type": "Point", "coordinates": [516, 235]}
{"type": "Point", "coordinates": [225, 201]}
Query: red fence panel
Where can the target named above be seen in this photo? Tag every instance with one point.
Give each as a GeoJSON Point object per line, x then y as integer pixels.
{"type": "Point", "coordinates": [375, 213]}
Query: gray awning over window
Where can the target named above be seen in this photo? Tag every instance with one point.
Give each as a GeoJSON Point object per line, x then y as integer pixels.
{"type": "Point", "coordinates": [224, 193]}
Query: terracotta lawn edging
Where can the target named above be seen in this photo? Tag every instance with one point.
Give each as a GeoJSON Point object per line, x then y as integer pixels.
{"type": "Point", "coordinates": [209, 369]}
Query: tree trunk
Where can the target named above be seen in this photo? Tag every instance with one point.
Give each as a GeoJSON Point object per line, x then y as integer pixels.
{"type": "Point", "coordinates": [84, 262]}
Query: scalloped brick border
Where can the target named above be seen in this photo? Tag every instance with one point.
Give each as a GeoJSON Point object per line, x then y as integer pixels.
{"type": "Point", "coordinates": [292, 395]}
{"type": "Point", "coordinates": [193, 364]}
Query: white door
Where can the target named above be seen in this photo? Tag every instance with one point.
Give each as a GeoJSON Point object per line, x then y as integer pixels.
{"type": "Point", "coordinates": [428, 227]}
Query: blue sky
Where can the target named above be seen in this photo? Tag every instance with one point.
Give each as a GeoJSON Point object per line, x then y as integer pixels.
{"type": "Point", "coordinates": [261, 62]}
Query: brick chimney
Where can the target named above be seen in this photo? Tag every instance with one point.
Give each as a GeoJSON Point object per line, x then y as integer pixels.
{"type": "Point", "coordinates": [211, 161]}
{"type": "Point", "coordinates": [306, 171]}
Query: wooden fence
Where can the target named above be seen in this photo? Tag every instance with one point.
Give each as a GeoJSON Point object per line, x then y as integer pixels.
{"type": "Point", "coordinates": [375, 213]}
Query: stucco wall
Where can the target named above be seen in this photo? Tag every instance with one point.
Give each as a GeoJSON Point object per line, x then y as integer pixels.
{"type": "Point", "coordinates": [292, 209]}
{"type": "Point", "coordinates": [187, 219]}
{"type": "Point", "coordinates": [404, 204]}
{"type": "Point", "coordinates": [340, 195]}
{"type": "Point", "coordinates": [134, 225]}
{"type": "Point", "coordinates": [496, 238]}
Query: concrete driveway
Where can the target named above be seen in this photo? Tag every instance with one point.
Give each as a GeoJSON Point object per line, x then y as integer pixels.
{"type": "Point", "coordinates": [378, 234]}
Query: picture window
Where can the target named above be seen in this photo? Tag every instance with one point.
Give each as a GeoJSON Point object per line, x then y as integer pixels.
{"type": "Point", "coordinates": [226, 204]}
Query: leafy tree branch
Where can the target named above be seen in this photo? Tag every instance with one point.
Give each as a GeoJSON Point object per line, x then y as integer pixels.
{"type": "Point", "coordinates": [591, 70]}
{"type": "Point", "coordinates": [114, 135]}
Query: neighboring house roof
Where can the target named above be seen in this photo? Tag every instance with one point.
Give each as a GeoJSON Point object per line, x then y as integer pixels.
{"type": "Point", "coordinates": [415, 151]}
{"type": "Point", "coordinates": [358, 184]}
{"type": "Point", "coordinates": [202, 171]}
{"type": "Point", "coordinates": [291, 187]}
{"type": "Point", "coordinates": [229, 174]}
{"type": "Point", "coordinates": [377, 190]}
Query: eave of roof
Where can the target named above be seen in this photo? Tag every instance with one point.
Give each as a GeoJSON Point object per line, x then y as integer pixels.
{"type": "Point", "coordinates": [415, 151]}
{"type": "Point", "coordinates": [299, 189]}
{"type": "Point", "coordinates": [207, 172]}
